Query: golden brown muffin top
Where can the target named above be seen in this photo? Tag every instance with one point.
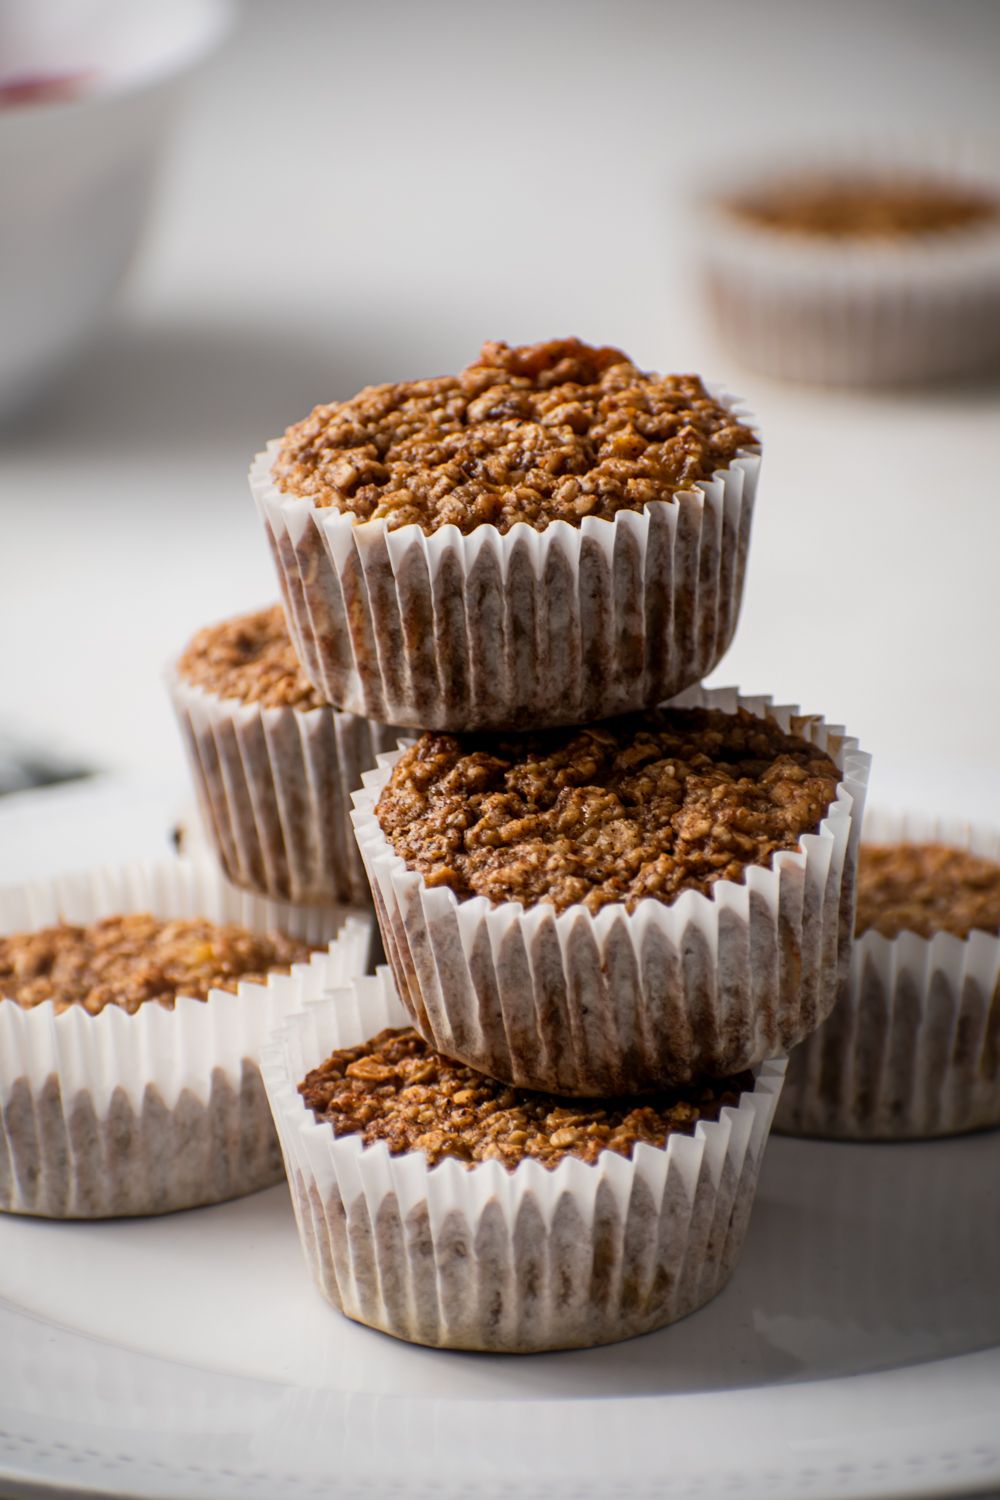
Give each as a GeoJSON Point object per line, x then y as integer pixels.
{"type": "Point", "coordinates": [926, 888]}
{"type": "Point", "coordinates": [887, 208]}
{"type": "Point", "coordinates": [649, 804]}
{"type": "Point", "coordinates": [250, 658]}
{"type": "Point", "coordinates": [540, 433]}
{"type": "Point", "coordinates": [394, 1088]}
{"type": "Point", "coordinates": [130, 960]}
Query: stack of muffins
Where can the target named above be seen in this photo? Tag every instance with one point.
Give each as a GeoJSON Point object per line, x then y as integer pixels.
{"type": "Point", "coordinates": [612, 900]}
{"type": "Point", "coordinates": [606, 921]}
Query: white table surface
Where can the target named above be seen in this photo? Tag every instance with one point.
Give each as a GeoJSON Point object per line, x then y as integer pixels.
{"type": "Point", "coordinates": [364, 192]}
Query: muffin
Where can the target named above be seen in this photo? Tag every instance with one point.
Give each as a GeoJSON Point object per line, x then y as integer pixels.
{"type": "Point", "coordinates": [871, 271]}
{"type": "Point", "coordinates": [549, 537]}
{"type": "Point", "coordinates": [611, 909]}
{"type": "Point", "coordinates": [912, 1048]}
{"type": "Point", "coordinates": [273, 764]}
{"type": "Point", "coordinates": [514, 1222]}
{"type": "Point", "coordinates": [133, 1008]}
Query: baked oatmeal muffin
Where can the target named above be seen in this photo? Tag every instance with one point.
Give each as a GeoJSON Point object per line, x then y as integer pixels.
{"type": "Point", "coordinates": [912, 1048]}
{"type": "Point", "coordinates": [610, 909]}
{"type": "Point", "coordinates": [877, 270]}
{"type": "Point", "coordinates": [551, 536]}
{"type": "Point", "coordinates": [273, 764]}
{"type": "Point", "coordinates": [133, 1008]}
{"type": "Point", "coordinates": [451, 1210]}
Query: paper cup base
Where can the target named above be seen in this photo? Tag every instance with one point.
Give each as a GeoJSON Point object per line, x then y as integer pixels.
{"type": "Point", "coordinates": [518, 1294]}
{"type": "Point", "coordinates": [60, 1159]}
{"type": "Point", "coordinates": [834, 339]}
{"type": "Point", "coordinates": [908, 1054]}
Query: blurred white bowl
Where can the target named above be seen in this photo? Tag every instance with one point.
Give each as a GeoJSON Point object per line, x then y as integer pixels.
{"type": "Point", "coordinates": [77, 162]}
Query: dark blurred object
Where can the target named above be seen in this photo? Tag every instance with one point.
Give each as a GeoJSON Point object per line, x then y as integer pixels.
{"type": "Point", "coordinates": [23, 767]}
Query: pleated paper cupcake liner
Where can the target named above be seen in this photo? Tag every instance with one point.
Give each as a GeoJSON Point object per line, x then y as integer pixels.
{"type": "Point", "coordinates": [519, 630]}
{"type": "Point", "coordinates": [622, 1002]}
{"type": "Point", "coordinates": [486, 1258]}
{"type": "Point", "coordinates": [912, 1048]}
{"type": "Point", "coordinates": [274, 788]}
{"type": "Point", "coordinates": [117, 1114]}
{"type": "Point", "coordinates": [849, 312]}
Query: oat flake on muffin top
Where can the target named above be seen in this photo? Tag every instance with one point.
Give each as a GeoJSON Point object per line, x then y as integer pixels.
{"type": "Point", "coordinates": [538, 433]}
{"type": "Point", "coordinates": [130, 960]}
{"type": "Point", "coordinates": [926, 888]}
{"type": "Point", "coordinates": [394, 1088]}
{"type": "Point", "coordinates": [249, 658]}
{"type": "Point", "coordinates": [648, 805]}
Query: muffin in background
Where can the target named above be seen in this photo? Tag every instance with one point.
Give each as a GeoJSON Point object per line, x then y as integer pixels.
{"type": "Point", "coordinates": [550, 536]}
{"type": "Point", "coordinates": [504, 1230]}
{"type": "Point", "coordinates": [273, 765]}
{"type": "Point", "coordinates": [912, 1047]}
{"type": "Point", "coordinates": [874, 268]}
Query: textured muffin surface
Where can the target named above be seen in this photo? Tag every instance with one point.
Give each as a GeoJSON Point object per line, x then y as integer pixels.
{"type": "Point", "coordinates": [890, 208]}
{"type": "Point", "coordinates": [250, 658]}
{"type": "Point", "coordinates": [538, 433]}
{"type": "Point", "coordinates": [926, 888]}
{"type": "Point", "coordinates": [130, 960]}
{"type": "Point", "coordinates": [648, 805]}
{"type": "Point", "coordinates": [394, 1088]}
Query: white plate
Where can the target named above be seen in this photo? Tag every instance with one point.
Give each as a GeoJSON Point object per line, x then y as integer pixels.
{"type": "Point", "coordinates": [855, 1353]}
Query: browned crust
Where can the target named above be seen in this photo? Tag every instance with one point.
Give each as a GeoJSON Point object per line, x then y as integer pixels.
{"type": "Point", "coordinates": [394, 1088]}
{"type": "Point", "coordinates": [887, 207]}
{"type": "Point", "coordinates": [131, 960]}
{"type": "Point", "coordinates": [926, 888]}
{"type": "Point", "coordinates": [538, 433]}
{"type": "Point", "coordinates": [249, 658]}
{"type": "Point", "coordinates": [646, 805]}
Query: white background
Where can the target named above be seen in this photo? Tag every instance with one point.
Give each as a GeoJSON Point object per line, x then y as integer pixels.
{"type": "Point", "coordinates": [364, 192]}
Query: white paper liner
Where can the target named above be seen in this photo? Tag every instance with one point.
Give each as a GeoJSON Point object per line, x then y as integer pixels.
{"type": "Point", "coordinates": [520, 630]}
{"type": "Point", "coordinates": [274, 788]}
{"type": "Point", "coordinates": [622, 1002]}
{"type": "Point", "coordinates": [483, 1258]}
{"type": "Point", "coordinates": [912, 1048]}
{"type": "Point", "coordinates": [854, 312]}
{"type": "Point", "coordinates": [117, 1114]}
